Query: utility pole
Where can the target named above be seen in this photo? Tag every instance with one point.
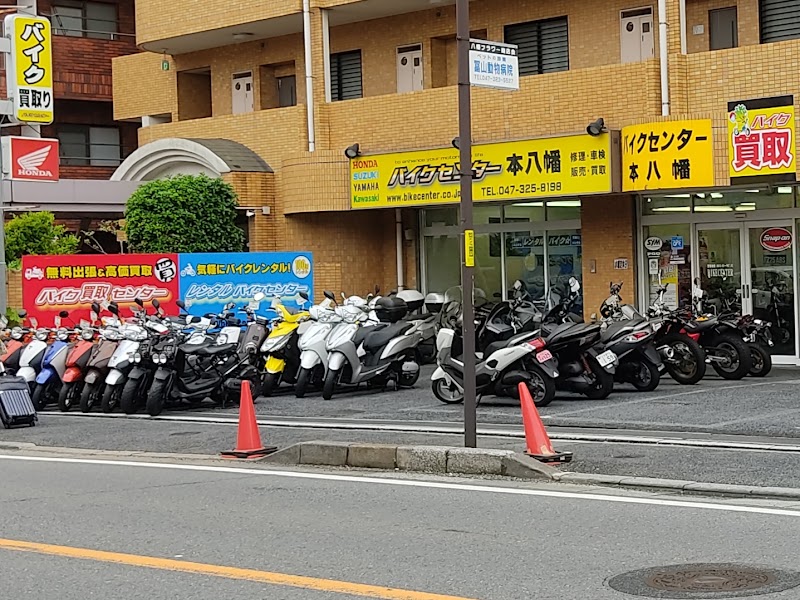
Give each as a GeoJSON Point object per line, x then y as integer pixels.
{"type": "Point", "coordinates": [468, 233]}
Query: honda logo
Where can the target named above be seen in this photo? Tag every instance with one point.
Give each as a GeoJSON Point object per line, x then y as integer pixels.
{"type": "Point", "coordinates": [33, 159]}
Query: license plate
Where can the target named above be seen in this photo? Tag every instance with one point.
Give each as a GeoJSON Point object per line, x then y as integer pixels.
{"type": "Point", "coordinates": [606, 358]}
{"type": "Point", "coordinates": [544, 356]}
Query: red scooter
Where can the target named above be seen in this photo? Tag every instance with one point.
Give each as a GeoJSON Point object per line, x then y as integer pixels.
{"type": "Point", "coordinates": [77, 359]}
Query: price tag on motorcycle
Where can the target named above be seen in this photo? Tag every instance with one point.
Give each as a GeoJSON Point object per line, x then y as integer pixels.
{"type": "Point", "coordinates": [254, 305]}
{"type": "Point", "coordinates": [544, 356]}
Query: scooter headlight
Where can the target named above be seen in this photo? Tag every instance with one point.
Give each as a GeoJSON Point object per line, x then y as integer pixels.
{"type": "Point", "coordinates": [162, 358]}
{"type": "Point", "coordinates": [87, 334]}
{"type": "Point", "coordinates": [156, 358]}
{"type": "Point", "coordinates": [62, 334]}
{"type": "Point", "coordinates": [16, 333]}
{"type": "Point", "coordinates": [137, 358]}
{"type": "Point", "coordinates": [42, 335]}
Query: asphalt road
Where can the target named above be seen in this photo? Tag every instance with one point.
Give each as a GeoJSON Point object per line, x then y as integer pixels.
{"type": "Point", "coordinates": [769, 406]}
{"type": "Point", "coordinates": [778, 469]}
{"type": "Point", "coordinates": [74, 531]}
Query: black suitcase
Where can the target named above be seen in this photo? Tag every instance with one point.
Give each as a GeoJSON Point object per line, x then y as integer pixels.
{"type": "Point", "coordinates": [16, 406]}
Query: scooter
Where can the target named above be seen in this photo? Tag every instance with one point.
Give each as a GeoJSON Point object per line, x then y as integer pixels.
{"type": "Point", "coordinates": [281, 346]}
{"type": "Point", "coordinates": [521, 359]}
{"type": "Point", "coordinates": [193, 372]}
{"type": "Point", "coordinates": [30, 362]}
{"type": "Point", "coordinates": [14, 342]}
{"type": "Point", "coordinates": [97, 366]}
{"type": "Point", "coordinates": [424, 323]}
{"type": "Point", "coordinates": [141, 375]}
{"type": "Point", "coordinates": [54, 364]}
{"type": "Point", "coordinates": [313, 352]}
{"type": "Point", "coordinates": [77, 359]}
{"type": "Point", "coordinates": [375, 355]}
{"type": "Point", "coordinates": [630, 336]}
{"type": "Point", "coordinates": [121, 362]}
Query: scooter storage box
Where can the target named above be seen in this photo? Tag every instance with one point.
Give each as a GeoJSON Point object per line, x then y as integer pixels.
{"type": "Point", "coordinates": [434, 302]}
{"type": "Point", "coordinates": [16, 407]}
{"type": "Point", "coordinates": [390, 310]}
{"type": "Point", "coordinates": [413, 299]}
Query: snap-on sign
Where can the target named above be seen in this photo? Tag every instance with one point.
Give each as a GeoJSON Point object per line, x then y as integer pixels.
{"type": "Point", "coordinates": [776, 239]}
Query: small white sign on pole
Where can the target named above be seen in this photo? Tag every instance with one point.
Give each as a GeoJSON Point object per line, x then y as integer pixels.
{"type": "Point", "coordinates": [493, 65]}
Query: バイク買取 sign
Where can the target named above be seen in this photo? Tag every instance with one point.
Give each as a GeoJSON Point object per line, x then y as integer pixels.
{"type": "Point", "coordinates": [667, 155]}
{"type": "Point", "coordinates": [29, 68]}
{"type": "Point", "coordinates": [541, 168]}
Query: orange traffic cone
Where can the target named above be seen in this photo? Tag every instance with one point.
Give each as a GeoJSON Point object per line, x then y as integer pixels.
{"type": "Point", "coordinates": [248, 441]}
{"type": "Point", "coordinates": [536, 438]}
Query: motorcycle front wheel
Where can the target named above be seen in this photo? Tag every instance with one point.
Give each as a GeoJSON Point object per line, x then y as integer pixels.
{"type": "Point", "coordinates": [329, 386]}
{"type": "Point", "coordinates": [603, 381]}
{"type": "Point", "coordinates": [88, 396]}
{"type": "Point", "coordinates": [762, 361]}
{"type": "Point", "coordinates": [449, 394]}
{"type": "Point", "coordinates": [301, 385]}
{"type": "Point", "coordinates": [269, 382]}
{"type": "Point", "coordinates": [130, 395]}
{"type": "Point", "coordinates": [155, 397]}
{"type": "Point", "coordinates": [39, 396]}
{"type": "Point", "coordinates": [111, 397]}
{"type": "Point", "coordinates": [70, 392]}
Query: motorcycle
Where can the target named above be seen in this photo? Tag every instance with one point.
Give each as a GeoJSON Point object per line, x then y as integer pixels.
{"type": "Point", "coordinates": [423, 322]}
{"type": "Point", "coordinates": [375, 354]}
{"type": "Point", "coordinates": [757, 335]}
{"type": "Point", "coordinates": [30, 361]}
{"type": "Point", "coordinates": [54, 364]}
{"type": "Point", "coordinates": [97, 366]}
{"type": "Point", "coordinates": [683, 358]}
{"type": "Point", "coordinates": [584, 365]}
{"type": "Point", "coordinates": [192, 372]}
{"type": "Point", "coordinates": [14, 341]}
{"type": "Point", "coordinates": [720, 337]}
{"type": "Point", "coordinates": [313, 352]}
{"type": "Point", "coordinates": [281, 346]}
{"type": "Point", "coordinates": [630, 336]}
{"type": "Point", "coordinates": [523, 358]}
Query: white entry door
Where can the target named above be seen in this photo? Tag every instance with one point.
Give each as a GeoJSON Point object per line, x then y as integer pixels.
{"type": "Point", "coordinates": [242, 90]}
{"type": "Point", "coordinates": [636, 35]}
{"type": "Point", "coordinates": [409, 69]}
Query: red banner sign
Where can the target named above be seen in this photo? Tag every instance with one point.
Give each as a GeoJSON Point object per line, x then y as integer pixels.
{"type": "Point", "coordinates": [51, 284]}
{"type": "Point", "coordinates": [33, 159]}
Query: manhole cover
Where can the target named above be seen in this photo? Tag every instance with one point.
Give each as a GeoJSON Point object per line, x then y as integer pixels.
{"type": "Point", "coordinates": [698, 581]}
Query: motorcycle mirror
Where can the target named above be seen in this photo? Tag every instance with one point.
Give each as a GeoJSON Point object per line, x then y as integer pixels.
{"type": "Point", "coordinates": [114, 309]}
{"type": "Point", "coordinates": [57, 321]}
{"type": "Point", "coordinates": [259, 296]}
{"type": "Point", "coordinates": [343, 296]}
{"type": "Point", "coordinates": [304, 296]}
{"type": "Point", "coordinates": [156, 304]}
{"type": "Point", "coordinates": [518, 285]}
{"type": "Point", "coordinates": [180, 304]}
{"type": "Point", "coordinates": [139, 302]}
{"type": "Point", "coordinates": [329, 295]}
{"type": "Point", "coordinates": [95, 308]}
{"type": "Point", "coordinates": [377, 289]}
{"type": "Point", "coordinates": [22, 314]}
{"type": "Point", "coordinates": [63, 314]}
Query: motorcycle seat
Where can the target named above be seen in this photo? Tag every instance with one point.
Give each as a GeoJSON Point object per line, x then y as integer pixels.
{"type": "Point", "coordinates": [614, 329]}
{"type": "Point", "coordinates": [378, 339]}
{"type": "Point", "coordinates": [568, 330]}
{"type": "Point", "coordinates": [212, 350]}
{"type": "Point", "coordinates": [364, 332]}
{"type": "Point", "coordinates": [700, 326]}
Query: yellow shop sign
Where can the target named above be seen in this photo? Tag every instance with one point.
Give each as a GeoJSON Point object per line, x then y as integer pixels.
{"type": "Point", "coordinates": [761, 140]}
{"type": "Point", "coordinates": [575, 165]}
{"type": "Point", "coordinates": [667, 155]}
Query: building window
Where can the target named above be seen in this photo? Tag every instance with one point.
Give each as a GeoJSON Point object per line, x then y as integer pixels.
{"type": "Point", "coordinates": [83, 145]}
{"type": "Point", "coordinates": [779, 20]}
{"type": "Point", "coordinates": [723, 28]}
{"type": "Point", "coordinates": [346, 75]}
{"type": "Point", "coordinates": [85, 19]}
{"type": "Point", "coordinates": [543, 45]}
{"type": "Point", "coordinates": [287, 91]}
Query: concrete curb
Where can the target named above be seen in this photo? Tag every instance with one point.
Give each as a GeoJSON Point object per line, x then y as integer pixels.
{"type": "Point", "coordinates": [421, 459]}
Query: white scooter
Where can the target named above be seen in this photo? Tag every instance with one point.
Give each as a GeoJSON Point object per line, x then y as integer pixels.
{"type": "Point", "coordinates": [313, 352]}
{"type": "Point", "coordinates": [31, 360]}
{"type": "Point", "coordinates": [122, 361]}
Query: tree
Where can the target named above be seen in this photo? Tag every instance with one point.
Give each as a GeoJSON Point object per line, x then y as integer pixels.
{"type": "Point", "coordinates": [187, 213]}
{"type": "Point", "coordinates": [37, 233]}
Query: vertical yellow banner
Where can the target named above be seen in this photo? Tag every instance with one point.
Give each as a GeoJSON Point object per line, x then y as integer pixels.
{"type": "Point", "coordinates": [469, 247]}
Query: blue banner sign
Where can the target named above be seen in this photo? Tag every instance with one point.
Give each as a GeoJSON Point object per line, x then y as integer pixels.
{"type": "Point", "coordinates": [209, 281]}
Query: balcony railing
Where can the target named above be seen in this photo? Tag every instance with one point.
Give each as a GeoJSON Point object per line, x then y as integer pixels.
{"type": "Point", "coordinates": [110, 29]}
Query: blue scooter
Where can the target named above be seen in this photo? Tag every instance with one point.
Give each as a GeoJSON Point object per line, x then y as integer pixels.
{"type": "Point", "coordinates": [49, 380]}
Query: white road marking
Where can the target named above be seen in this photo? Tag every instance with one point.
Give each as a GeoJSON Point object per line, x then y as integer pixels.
{"type": "Point", "coordinates": [417, 484]}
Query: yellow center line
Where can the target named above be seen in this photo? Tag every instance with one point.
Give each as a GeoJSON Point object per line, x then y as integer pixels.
{"type": "Point", "coordinates": [166, 564]}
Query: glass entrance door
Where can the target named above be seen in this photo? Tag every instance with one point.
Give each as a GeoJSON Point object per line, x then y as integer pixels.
{"type": "Point", "coordinates": [769, 285]}
{"type": "Point", "coordinates": [720, 254]}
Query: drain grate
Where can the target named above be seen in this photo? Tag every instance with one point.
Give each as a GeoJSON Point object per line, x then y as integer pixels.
{"type": "Point", "coordinates": [700, 581]}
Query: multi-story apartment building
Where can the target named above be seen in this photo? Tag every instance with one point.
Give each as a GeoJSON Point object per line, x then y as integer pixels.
{"type": "Point", "coordinates": [87, 35]}
{"type": "Point", "coordinates": [693, 175]}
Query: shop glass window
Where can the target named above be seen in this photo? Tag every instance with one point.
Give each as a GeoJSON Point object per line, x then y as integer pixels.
{"type": "Point", "coordinates": [671, 265]}
{"type": "Point", "coordinates": [442, 262]}
{"type": "Point", "coordinates": [441, 217]}
{"type": "Point", "coordinates": [562, 210]}
{"type": "Point", "coordinates": [744, 200]}
{"type": "Point", "coordinates": [97, 20]}
{"type": "Point", "coordinates": [660, 205]}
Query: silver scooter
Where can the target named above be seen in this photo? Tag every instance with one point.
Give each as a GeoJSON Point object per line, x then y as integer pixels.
{"type": "Point", "coordinates": [376, 354]}
{"type": "Point", "coordinates": [313, 353]}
